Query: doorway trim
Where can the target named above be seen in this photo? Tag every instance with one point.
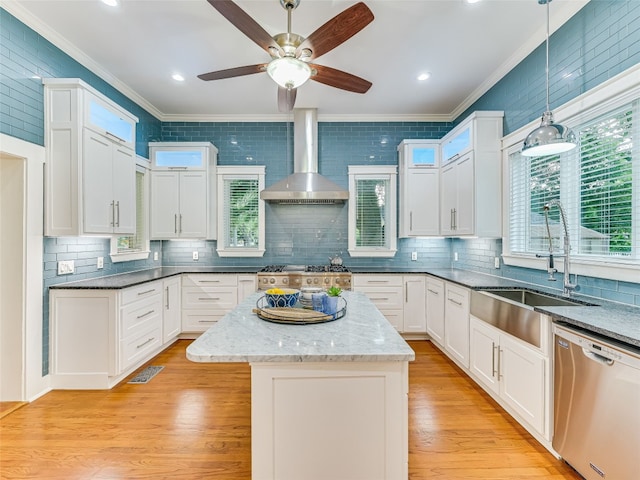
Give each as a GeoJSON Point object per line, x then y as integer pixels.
{"type": "Point", "coordinates": [30, 274]}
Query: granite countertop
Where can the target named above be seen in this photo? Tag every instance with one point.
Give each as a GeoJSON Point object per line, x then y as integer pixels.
{"type": "Point", "coordinates": [131, 279]}
{"type": "Point", "coordinates": [362, 335]}
{"type": "Point", "coordinates": [612, 320]}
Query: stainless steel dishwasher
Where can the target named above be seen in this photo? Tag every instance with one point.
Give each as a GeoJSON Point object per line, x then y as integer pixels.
{"type": "Point", "coordinates": [596, 405]}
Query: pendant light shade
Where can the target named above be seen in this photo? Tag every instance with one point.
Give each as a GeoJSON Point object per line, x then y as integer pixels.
{"type": "Point", "coordinates": [549, 138]}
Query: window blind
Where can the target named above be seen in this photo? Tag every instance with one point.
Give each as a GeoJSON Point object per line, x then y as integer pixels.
{"type": "Point", "coordinates": [372, 212]}
{"type": "Point", "coordinates": [241, 213]}
{"type": "Point", "coordinates": [136, 243]}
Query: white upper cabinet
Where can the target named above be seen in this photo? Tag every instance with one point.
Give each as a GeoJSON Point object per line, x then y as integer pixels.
{"type": "Point", "coordinates": [90, 166]}
{"type": "Point", "coordinates": [471, 177]}
{"type": "Point", "coordinates": [419, 188]}
{"type": "Point", "coordinates": [183, 190]}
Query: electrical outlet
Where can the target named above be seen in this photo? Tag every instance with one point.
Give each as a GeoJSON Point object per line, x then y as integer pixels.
{"type": "Point", "coordinates": [100, 263]}
{"type": "Point", "coordinates": [155, 255]}
{"type": "Point", "coordinates": [496, 262]}
{"type": "Point", "coordinates": [455, 256]}
{"type": "Point", "coordinates": [66, 267]}
{"type": "Point", "coordinates": [195, 255]}
{"type": "Point", "coordinates": [414, 256]}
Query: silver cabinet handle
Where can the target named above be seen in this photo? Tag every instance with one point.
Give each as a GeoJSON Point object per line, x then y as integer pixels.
{"type": "Point", "coordinates": [208, 281]}
{"type": "Point", "coordinates": [146, 342]}
{"type": "Point", "coordinates": [206, 321]}
{"type": "Point", "coordinates": [118, 211]}
{"type": "Point", "coordinates": [113, 214]}
{"type": "Point", "coordinates": [204, 299]}
{"type": "Point", "coordinates": [433, 291]}
{"type": "Point", "coordinates": [166, 293]}
{"type": "Point", "coordinates": [175, 223]}
{"type": "Point", "coordinates": [180, 224]}
{"type": "Point", "coordinates": [451, 219]}
{"type": "Point", "coordinates": [454, 301]}
{"type": "Point", "coordinates": [380, 298]}
{"type": "Point", "coordinates": [146, 291]}
{"type": "Point", "coordinates": [145, 314]}
{"type": "Point", "coordinates": [493, 359]}
{"type": "Point", "coordinates": [116, 137]}
{"type": "Point", "coordinates": [499, 363]}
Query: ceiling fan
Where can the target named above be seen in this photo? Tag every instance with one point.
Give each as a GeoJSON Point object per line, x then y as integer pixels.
{"type": "Point", "coordinates": [291, 53]}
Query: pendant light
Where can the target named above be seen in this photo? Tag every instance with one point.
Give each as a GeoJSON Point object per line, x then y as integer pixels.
{"type": "Point", "coordinates": [549, 138]}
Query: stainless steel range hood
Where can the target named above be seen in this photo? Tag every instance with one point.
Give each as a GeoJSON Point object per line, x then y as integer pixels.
{"type": "Point", "coordinates": [305, 185]}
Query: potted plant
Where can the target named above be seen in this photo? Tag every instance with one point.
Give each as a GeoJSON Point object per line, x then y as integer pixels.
{"type": "Point", "coordinates": [332, 300]}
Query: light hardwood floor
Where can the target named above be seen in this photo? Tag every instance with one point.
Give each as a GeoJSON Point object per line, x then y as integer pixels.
{"type": "Point", "coordinates": [192, 421]}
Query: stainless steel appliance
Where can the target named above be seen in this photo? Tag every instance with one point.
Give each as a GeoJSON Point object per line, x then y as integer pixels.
{"type": "Point", "coordinates": [297, 276]}
{"type": "Point", "coordinates": [596, 405]}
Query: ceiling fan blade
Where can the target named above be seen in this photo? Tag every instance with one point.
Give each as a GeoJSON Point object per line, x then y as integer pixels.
{"type": "Point", "coordinates": [286, 99]}
{"type": "Point", "coordinates": [234, 72]}
{"type": "Point", "coordinates": [337, 30]}
{"type": "Point", "coordinates": [339, 79]}
{"type": "Point", "coordinates": [243, 22]}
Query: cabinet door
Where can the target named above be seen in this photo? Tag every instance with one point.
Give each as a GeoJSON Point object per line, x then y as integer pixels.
{"type": "Point", "coordinates": [98, 202]}
{"type": "Point", "coordinates": [484, 342]}
{"type": "Point", "coordinates": [422, 201]}
{"type": "Point", "coordinates": [522, 383]}
{"type": "Point", "coordinates": [435, 310]}
{"type": "Point", "coordinates": [165, 205]}
{"type": "Point", "coordinates": [193, 205]}
{"type": "Point", "coordinates": [247, 284]}
{"type": "Point", "coordinates": [171, 318]}
{"type": "Point", "coordinates": [456, 329]}
{"type": "Point", "coordinates": [465, 196]}
{"type": "Point", "coordinates": [415, 315]}
{"type": "Point", "coordinates": [124, 190]}
{"type": "Point", "coordinates": [448, 200]}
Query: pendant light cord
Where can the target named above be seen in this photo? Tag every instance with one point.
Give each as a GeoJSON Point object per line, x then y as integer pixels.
{"type": "Point", "coordinates": [547, 66]}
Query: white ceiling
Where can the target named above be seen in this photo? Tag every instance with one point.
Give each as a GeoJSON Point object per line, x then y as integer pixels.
{"type": "Point", "coordinates": [138, 46]}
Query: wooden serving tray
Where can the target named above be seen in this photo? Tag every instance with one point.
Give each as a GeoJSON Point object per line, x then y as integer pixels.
{"type": "Point", "coordinates": [294, 315]}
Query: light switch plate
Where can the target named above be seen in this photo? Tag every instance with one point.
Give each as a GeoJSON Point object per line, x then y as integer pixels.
{"type": "Point", "coordinates": [195, 255]}
{"type": "Point", "coordinates": [414, 256]}
{"type": "Point", "coordinates": [455, 256]}
{"type": "Point", "coordinates": [496, 262]}
{"type": "Point", "coordinates": [100, 263]}
{"type": "Point", "coordinates": [66, 267]}
{"type": "Point", "coordinates": [155, 255]}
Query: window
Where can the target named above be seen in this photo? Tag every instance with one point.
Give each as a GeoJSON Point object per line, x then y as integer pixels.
{"type": "Point", "coordinates": [135, 247]}
{"type": "Point", "coordinates": [372, 211]}
{"type": "Point", "coordinates": [240, 212]}
{"type": "Point", "coordinates": [598, 184]}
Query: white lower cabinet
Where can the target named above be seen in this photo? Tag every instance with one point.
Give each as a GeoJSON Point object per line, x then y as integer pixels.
{"type": "Point", "coordinates": [511, 369]}
{"type": "Point", "coordinates": [206, 298]}
{"type": "Point", "coordinates": [456, 330]}
{"type": "Point", "coordinates": [435, 309]}
{"type": "Point", "coordinates": [172, 317]}
{"type": "Point", "coordinates": [98, 337]}
{"type": "Point", "coordinates": [400, 298]}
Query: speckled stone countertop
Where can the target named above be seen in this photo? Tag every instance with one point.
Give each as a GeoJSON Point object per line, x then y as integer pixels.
{"type": "Point", "coordinates": [131, 279]}
{"type": "Point", "coordinates": [612, 320]}
{"type": "Point", "coordinates": [362, 335]}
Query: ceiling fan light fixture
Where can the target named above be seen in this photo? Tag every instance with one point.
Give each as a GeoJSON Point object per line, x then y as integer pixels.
{"type": "Point", "coordinates": [549, 138]}
{"type": "Point", "coordinates": [289, 72]}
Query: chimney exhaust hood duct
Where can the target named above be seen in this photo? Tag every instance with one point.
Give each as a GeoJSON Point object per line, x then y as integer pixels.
{"type": "Point", "coordinates": [305, 185]}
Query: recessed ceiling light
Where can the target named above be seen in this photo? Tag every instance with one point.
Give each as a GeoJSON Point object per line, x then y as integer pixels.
{"type": "Point", "coordinates": [111, 3]}
{"type": "Point", "coordinates": [177, 77]}
{"type": "Point", "coordinates": [472, 1]}
{"type": "Point", "coordinates": [424, 76]}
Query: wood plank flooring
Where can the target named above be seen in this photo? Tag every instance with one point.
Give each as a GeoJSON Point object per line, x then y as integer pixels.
{"type": "Point", "coordinates": [192, 421]}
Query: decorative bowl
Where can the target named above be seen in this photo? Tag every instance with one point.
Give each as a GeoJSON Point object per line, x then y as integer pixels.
{"type": "Point", "coordinates": [282, 297]}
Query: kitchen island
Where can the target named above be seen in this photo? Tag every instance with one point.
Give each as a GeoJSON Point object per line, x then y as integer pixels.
{"type": "Point", "coordinates": [328, 400]}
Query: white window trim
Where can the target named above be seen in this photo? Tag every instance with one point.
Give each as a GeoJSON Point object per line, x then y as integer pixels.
{"type": "Point", "coordinates": [358, 172]}
{"type": "Point", "coordinates": [240, 172]}
{"type": "Point", "coordinates": [143, 165]}
{"type": "Point", "coordinates": [618, 91]}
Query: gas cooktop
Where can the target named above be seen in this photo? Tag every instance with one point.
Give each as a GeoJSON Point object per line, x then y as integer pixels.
{"type": "Point", "coordinates": [304, 268]}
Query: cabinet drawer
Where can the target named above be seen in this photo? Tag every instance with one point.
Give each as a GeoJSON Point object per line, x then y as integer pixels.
{"type": "Point", "coordinates": [139, 313]}
{"type": "Point", "coordinates": [210, 280]}
{"type": "Point", "coordinates": [138, 346]}
{"type": "Point", "coordinates": [199, 320]}
{"type": "Point", "coordinates": [377, 281]}
{"type": "Point", "coordinates": [385, 298]}
{"type": "Point", "coordinates": [215, 298]}
{"type": "Point", "coordinates": [139, 292]}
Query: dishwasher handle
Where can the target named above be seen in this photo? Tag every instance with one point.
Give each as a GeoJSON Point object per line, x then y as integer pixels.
{"type": "Point", "coordinates": [596, 357]}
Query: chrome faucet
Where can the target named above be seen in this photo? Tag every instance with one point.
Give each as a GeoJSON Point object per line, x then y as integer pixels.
{"type": "Point", "coordinates": [568, 287]}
